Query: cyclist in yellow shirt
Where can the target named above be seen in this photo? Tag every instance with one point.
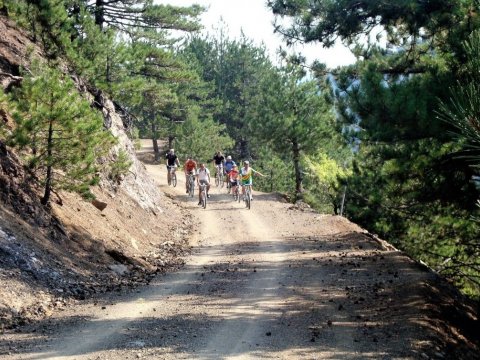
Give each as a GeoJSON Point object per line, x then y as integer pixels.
{"type": "Point", "coordinates": [246, 175]}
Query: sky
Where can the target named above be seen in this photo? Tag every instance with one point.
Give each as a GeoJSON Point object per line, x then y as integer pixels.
{"type": "Point", "coordinates": [255, 20]}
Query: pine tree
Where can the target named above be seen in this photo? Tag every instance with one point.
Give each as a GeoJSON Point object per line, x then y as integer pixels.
{"type": "Point", "coordinates": [196, 137]}
{"type": "Point", "coordinates": [290, 112]}
{"type": "Point", "coordinates": [233, 68]}
{"type": "Point", "coordinates": [60, 134]}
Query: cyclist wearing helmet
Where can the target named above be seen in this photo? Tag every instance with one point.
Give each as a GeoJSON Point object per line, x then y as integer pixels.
{"type": "Point", "coordinates": [189, 167]}
{"type": "Point", "coordinates": [172, 162]}
{"type": "Point", "coordinates": [203, 178]}
{"type": "Point", "coordinates": [229, 164]}
{"type": "Point", "coordinates": [233, 177]}
{"type": "Point", "coordinates": [246, 175]}
{"type": "Point", "coordinates": [218, 160]}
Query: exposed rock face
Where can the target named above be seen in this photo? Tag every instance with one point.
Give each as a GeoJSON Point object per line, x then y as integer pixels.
{"type": "Point", "coordinates": [14, 47]}
{"type": "Point", "coordinates": [136, 183]}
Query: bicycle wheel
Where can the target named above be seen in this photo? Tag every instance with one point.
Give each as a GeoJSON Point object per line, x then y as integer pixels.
{"type": "Point", "coordinates": [169, 177]}
{"type": "Point", "coordinates": [248, 198]}
{"type": "Point", "coordinates": [174, 180]}
{"type": "Point", "coordinates": [204, 199]}
{"type": "Point", "coordinates": [221, 180]}
{"type": "Point", "coordinates": [192, 188]}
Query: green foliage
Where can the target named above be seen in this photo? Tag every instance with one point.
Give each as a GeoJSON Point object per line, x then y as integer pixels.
{"type": "Point", "coordinates": [120, 166]}
{"type": "Point", "coordinates": [47, 21]}
{"type": "Point", "coordinates": [134, 135]}
{"type": "Point", "coordinates": [197, 137]}
{"type": "Point", "coordinates": [325, 182]}
{"type": "Point", "coordinates": [141, 16]}
{"type": "Point", "coordinates": [59, 133]}
{"type": "Point", "coordinates": [232, 71]}
{"type": "Point", "coordinates": [95, 55]}
{"type": "Point", "coordinates": [279, 174]}
{"type": "Point", "coordinates": [290, 112]}
{"type": "Point", "coordinates": [3, 108]}
{"type": "Point", "coordinates": [406, 185]}
{"type": "Point", "coordinates": [405, 23]}
{"type": "Point", "coordinates": [462, 111]}
{"type": "Point", "coordinates": [448, 241]}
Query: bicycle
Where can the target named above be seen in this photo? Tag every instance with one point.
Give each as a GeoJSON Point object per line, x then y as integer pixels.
{"type": "Point", "coordinates": [172, 175]}
{"type": "Point", "coordinates": [219, 176]}
{"type": "Point", "coordinates": [191, 184]}
{"type": "Point", "coordinates": [229, 185]}
{"type": "Point", "coordinates": [203, 195]}
{"type": "Point", "coordinates": [236, 193]}
{"type": "Point", "coordinates": [247, 196]}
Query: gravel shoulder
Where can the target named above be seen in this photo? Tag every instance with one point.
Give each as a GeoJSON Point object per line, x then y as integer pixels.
{"type": "Point", "coordinates": [277, 281]}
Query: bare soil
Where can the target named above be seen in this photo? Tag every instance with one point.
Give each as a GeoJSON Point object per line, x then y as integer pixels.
{"type": "Point", "coordinates": [277, 281]}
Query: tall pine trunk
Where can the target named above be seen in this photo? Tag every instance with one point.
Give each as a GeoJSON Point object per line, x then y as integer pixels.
{"type": "Point", "coordinates": [298, 172]}
{"type": "Point", "coordinates": [156, 149]}
{"type": "Point", "coordinates": [48, 180]}
{"type": "Point", "coordinates": [171, 138]}
{"type": "Point", "coordinates": [99, 15]}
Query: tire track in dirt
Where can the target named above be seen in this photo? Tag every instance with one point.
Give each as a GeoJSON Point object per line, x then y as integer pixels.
{"type": "Point", "coordinates": [273, 282]}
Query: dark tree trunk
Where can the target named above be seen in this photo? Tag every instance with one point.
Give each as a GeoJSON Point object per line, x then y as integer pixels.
{"type": "Point", "coordinates": [335, 208]}
{"type": "Point", "coordinates": [298, 171]}
{"type": "Point", "coordinates": [48, 180]}
{"type": "Point", "coordinates": [171, 139]}
{"type": "Point", "coordinates": [244, 151]}
{"type": "Point", "coordinates": [99, 14]}
{"type": "Point", "coordinates": [156, 149]}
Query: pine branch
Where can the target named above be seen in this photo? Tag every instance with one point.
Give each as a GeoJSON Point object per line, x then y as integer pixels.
{"type": "Point", "coordinates": [13, 77]}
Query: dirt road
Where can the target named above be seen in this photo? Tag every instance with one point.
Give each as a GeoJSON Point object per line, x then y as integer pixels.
{"type": "Point", "coordinates": [272, 282]}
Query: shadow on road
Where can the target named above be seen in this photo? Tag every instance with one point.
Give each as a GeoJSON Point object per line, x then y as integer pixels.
{"type": "Point", "coordinates": [354, 296]}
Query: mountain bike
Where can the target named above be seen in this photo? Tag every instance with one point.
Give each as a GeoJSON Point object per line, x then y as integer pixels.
{"type": "Point", "coordinates": [247, 196]}
{"type": "Point", "coordinates": [219, 176]}
{"type": "Point", "coordinates": [172, 175]}
{"type": "Point", "coordinates": [203, 195]}
{"type": "Point", "coordinates": [229, 185]}
{"type": "Point", "coordinates": [191, 184]}
{"type": "Point", "coordinates": [236, 193]}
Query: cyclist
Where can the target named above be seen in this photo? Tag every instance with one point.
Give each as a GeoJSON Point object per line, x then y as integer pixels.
{"type": "Point", "coordinates": [229, 164]}
{"type": "Point", "coordinates": [218, 160]}
{"type": "Point", "coordinates": [246, 175]}
{"type": "Point", "coordinates": [190, 167]}
{"type": "Point", "coordinates": [203, 178]}
{"type": "Point", "coordinates": [172, 162]}
{"type": "Point", "coordinates": [233, 177]}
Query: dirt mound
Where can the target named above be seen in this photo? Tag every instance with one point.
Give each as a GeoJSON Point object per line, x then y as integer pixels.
{"type": "Point", "coordinates": [72, 251]}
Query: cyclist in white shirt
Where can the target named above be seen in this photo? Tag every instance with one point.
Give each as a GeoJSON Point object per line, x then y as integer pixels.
{"type": "Point", "coordinates": [203, 177]}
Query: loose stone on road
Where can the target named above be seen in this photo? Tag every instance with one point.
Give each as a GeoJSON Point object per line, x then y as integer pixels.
{"type": "Point", "coordinates": [276, 281]}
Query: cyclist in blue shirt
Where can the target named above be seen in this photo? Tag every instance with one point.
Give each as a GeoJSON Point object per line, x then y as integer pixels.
{"type": "Point", "coordinates": [229, 164]}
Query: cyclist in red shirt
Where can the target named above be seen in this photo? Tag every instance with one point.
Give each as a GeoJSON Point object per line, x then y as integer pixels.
{"type": "Point", "coordinates": [233, 177]}
{"type": "Point", "coordinates": [189, 167]}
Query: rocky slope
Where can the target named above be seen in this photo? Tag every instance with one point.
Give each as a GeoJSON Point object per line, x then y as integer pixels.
{"type": "Point", "coordinates": [50, 256]}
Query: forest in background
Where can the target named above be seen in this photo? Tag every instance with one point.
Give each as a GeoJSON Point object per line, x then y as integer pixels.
{"type": "Point", "coordinates": [391, 142]}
